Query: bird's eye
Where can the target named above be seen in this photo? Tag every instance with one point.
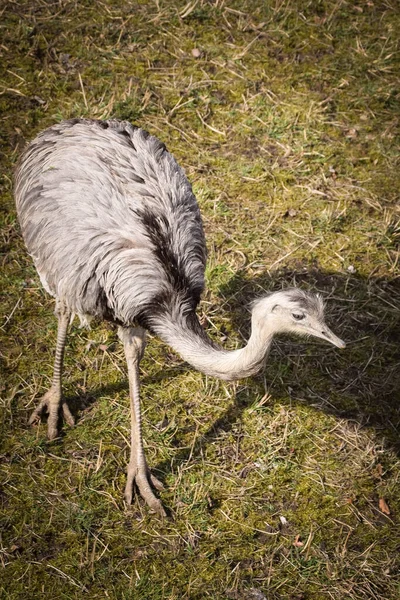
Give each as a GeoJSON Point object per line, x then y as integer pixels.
{"type": "Point", "coordinates": [298, 316]}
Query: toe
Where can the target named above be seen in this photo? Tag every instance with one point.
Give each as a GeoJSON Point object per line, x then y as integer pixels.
{"type": "Point", "coordinates": [129, 486]}
{"type": "Point", "coordinates": [157, 507]}
{"type": "Point", "coordinates": [52, 432]}
{"type": "Point", "coordinates": [34, 419]}
{"type": "Point", "coordinates": [146, 492]}
{"type": "Point", "coordinates": [67, 414]}
{"type": "Point", "coordinates": [156, 483]}
{"type": "Point", "coordinates": [128, 496]}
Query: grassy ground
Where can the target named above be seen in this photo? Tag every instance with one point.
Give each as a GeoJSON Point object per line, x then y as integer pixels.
{"type": "Point", "coordinates": [285, 117]}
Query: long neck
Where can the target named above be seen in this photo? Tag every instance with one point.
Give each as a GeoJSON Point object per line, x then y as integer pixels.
{"type": "Point", "coordinates": [188, 338]}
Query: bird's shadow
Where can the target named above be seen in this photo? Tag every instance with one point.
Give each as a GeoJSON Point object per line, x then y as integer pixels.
{"type": "Point", "coordinates": [360, 383]}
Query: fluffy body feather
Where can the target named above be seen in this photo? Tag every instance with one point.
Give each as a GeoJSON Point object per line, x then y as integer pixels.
{"type": "Point", "coordinates": [110, 221]}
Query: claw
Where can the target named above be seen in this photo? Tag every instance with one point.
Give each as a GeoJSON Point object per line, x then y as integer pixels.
{"type": "Point", "coordinates": [50, 403]}
{"type": "Point", "coordinates": [143, 479]}
{"type": "Point", "coordinates": [156, 483]}
{"type": "Point", "coordinates": [68, 417]}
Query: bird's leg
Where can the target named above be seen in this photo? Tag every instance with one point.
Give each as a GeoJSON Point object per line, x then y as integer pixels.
{"type": "Point", "coordinates": [138, 471]}
{"type": "Point", "coordinates": [52, 400]}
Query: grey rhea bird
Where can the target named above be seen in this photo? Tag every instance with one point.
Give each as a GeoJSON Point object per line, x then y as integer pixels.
{"type": "Point", "coordinates": [115, 232]}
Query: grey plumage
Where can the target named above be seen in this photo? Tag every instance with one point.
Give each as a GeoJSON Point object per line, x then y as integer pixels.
{"type": "Point", "coordinates": [110, 220]}
{"type": "Point", "coordinates": [115, 232]}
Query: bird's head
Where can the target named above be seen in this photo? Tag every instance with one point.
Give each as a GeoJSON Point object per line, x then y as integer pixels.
{"type": "Point", "coordinates": [294, 311]}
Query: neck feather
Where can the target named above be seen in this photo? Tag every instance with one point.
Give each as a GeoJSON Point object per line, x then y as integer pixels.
{"type": "Point", "coordinates": [186, 336]}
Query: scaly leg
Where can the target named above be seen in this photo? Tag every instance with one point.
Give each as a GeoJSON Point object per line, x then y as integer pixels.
{"type": "Point", "coordinates": [138, 471]}
{"type": "Point", "coordinates": [52, 400]}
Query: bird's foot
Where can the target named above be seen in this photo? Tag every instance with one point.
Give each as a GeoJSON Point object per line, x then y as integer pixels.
{"type": "Point", "coordinates": [51, 403]}
{"type": "Point", "coordinates": [144, 480]}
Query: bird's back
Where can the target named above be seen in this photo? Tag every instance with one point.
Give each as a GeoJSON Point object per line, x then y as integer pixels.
{"type": "Point", "coordinates": [110, 220]}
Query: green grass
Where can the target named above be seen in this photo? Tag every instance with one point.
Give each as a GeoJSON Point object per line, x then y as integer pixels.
{"type": "Point", "coordinates": [287, 124]}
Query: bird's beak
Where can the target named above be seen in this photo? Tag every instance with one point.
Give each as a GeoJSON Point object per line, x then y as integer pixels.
{"type": "Point", "coordinates": [326, 334]}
